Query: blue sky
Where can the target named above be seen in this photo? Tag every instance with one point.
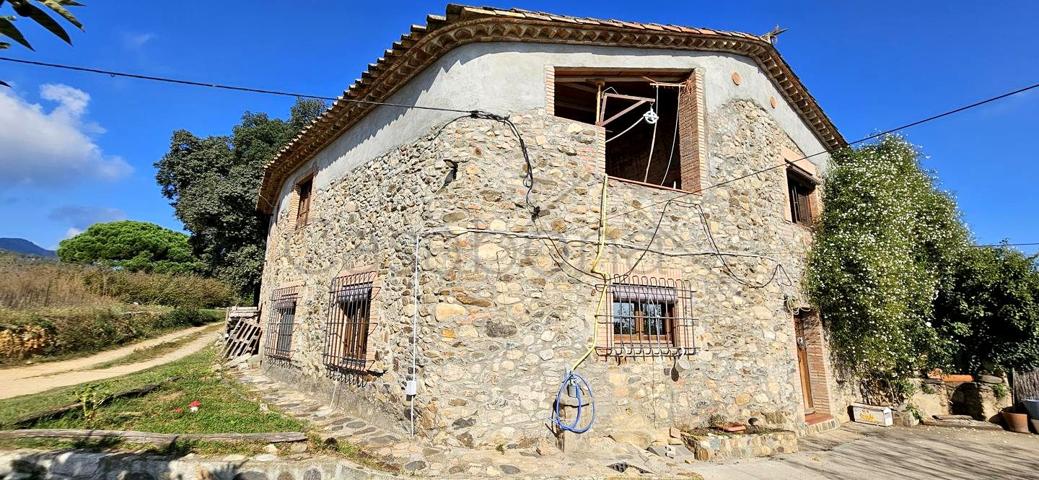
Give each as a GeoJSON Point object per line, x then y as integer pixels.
{"type": "Point", "coordinates": [80, 147]}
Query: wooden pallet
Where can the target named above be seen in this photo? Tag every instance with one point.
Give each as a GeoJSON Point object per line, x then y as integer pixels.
{"type": "Point", "coordinates": [243, 332]}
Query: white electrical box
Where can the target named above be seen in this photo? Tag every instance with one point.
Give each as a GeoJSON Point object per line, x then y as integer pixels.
{"type": "Point", "coordinates": [872, 415]}
{"type": "Point", "coordinates": [411, 387]}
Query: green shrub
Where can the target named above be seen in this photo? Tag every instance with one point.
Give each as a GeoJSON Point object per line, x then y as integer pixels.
{"type": "Point", "coordinates": [85, 330]}
{"type": "Point", "coordinates": [157, 289]}
{"type": "Point", "coordinates": [884, 247]}
{"type": "Point", "coordinates": [183, 317]}
{"type": "Point", "coordinates": [1000, 391]}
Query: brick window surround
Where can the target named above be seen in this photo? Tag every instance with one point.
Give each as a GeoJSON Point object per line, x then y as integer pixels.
{"type": "Point", "coordinates": [349, 322]}
{"type": "Point", "coordinates": [691, 128]}
{"type": "Point", "coordinates": [801, 189]}
{"type": "Point", "coordinates": [281, 322]}
{"type": "Point", "coordinates": [800, 195]}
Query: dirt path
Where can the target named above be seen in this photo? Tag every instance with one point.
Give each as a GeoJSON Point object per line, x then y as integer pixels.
{"type": "Point", "coordinates": [45, 376]}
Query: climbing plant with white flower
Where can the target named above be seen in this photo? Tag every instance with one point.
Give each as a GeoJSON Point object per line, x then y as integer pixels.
{"type": "Point", "coordinates": [882, 254]}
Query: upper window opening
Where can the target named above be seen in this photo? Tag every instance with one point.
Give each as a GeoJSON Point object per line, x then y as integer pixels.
{"type": "Point", "coordinates": [800, 188]}
{"type": "Point", "coordinates": [640, 110]}
{"type": "Point", "coordinates": [304, 189]}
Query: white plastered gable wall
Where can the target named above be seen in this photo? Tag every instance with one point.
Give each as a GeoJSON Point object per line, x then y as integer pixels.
{"type": "Point", "coordinates": [508, 77]}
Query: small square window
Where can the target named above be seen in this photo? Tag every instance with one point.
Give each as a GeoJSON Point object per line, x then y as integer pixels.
{"type": "Point", "coordinates": [281, 322]}
{"type": "Point", "coordinates": [304, 189]}
{"type": "Point", "coordinates": [800, 190]}
{"type": "Point", "coordinates": [349, 321]}
{"type": "Point", "coordinates": [647, 317]}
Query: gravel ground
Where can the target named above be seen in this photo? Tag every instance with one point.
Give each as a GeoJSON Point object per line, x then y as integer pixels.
{"type": "Point", "coordinates": [857, 451]}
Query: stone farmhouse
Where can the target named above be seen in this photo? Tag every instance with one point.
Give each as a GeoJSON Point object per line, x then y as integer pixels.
{"type": "Point", "coordinates": [419, 271]}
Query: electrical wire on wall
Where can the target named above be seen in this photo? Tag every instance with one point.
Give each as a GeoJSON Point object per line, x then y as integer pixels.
{"type": "Point", "coordinates": [653, 139]}
{"type": "Point", "coordinates": [674, 135]}
{"type": "Point", "coordinates": [573, 383]}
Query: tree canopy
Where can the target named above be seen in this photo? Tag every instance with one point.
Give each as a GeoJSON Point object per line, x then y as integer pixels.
{"type": "Point", "coordinates": [991, 311]}
{"type": "Point", "coordinates": [212, 183]}
{"type": "Point", "coordinates": [134, 246]}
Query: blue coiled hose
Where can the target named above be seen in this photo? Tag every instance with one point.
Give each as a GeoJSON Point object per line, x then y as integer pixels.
{"type": "Point", "coordinates": [580, 384]}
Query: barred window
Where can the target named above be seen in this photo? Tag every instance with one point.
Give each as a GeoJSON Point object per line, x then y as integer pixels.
{"type": "Point", "coordinates": [646, 317]}
{"type": "Point", "coordinates": [280, 322]}
{"type": "Point", "coordinates": [349, 321]}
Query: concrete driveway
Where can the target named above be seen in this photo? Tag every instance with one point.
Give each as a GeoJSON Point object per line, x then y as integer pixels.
{"type": "Point", "coordinates": [858, 451]}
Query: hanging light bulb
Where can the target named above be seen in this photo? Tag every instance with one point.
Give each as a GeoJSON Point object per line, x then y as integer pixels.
{"type": "Point", "coordinates": [650, 116]}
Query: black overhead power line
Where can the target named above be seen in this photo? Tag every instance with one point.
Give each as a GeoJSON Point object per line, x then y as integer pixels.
{"type": "Point", "coordinates": [667, 203]}
{"type": "Point", "coordinates": [529, 180]}
{"type": "Point", "coordinates": [221, 86]}
{"type": "Point", "coordinates": [861, 140]}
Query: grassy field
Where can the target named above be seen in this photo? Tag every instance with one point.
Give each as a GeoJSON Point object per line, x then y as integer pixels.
{"type": "Point", "coordinates": [225, 406]}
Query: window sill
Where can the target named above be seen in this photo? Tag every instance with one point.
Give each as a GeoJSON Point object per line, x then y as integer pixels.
{"type": "Point", "coordinates": [648, 185]}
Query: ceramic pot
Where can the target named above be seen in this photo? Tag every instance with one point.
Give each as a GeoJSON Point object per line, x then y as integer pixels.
{"type": "Point", "coordinates": [1015, 422]}
{"type": "Point", "coordinates": [1032, 405]}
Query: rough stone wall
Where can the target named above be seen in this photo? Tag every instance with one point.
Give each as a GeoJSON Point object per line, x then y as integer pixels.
{"type": "Point", "coordinates": [365, 221]}
{"type": "Point", "coordinates": [500, 320]}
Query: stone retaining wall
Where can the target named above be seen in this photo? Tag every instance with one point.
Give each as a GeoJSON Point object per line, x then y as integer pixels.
{"type": "Point", "coordinates": [130, 466]}
{"type": "Point", "coordinates": [721, 447]}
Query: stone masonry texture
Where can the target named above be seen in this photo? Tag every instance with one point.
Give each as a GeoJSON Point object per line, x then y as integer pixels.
{"type": "Point", "coordinates": [500, 321]}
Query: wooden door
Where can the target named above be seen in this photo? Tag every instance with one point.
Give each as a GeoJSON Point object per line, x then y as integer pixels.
{"type": "Point", "coordinates": [802, 362]}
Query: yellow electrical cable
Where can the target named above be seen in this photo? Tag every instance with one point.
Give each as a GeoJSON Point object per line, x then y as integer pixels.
{"type": "Point", "coordinates": [595, 269]}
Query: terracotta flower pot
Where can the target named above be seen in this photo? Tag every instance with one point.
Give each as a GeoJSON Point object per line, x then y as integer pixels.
{"type": "Point", "coordinates": [1015, 422]}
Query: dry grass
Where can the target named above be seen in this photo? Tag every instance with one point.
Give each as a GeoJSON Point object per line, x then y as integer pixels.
{"type": "Point", "coordinates": [31, 283]}
{"type": "Point", "coordinates": [52, 310]}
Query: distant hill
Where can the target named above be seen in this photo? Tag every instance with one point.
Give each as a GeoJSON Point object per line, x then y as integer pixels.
{"type": "Point", "coordinates": [24, 247]}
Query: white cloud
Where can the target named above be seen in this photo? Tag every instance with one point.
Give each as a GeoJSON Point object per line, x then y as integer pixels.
{"type": "Point", "coordinates": [81, 217]}
{"type": "Point", "coordinates": [72, 232]}
{"type": "Point", "coordinates": [136, 41]}
{"type": "Point", "coordinates": [52, 148]}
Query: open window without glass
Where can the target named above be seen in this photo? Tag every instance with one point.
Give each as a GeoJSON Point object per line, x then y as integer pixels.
{"type": "Point", "coordinates": [305, 191]}
{"type": "Point", "coordinates": [647, 115]}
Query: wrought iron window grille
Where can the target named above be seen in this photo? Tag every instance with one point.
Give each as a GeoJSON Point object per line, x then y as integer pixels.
{"type": "Point", "coordinates": [646, 317]}
{"type": "Point", "coordinates": [349, 322]}
{"type": "Point", "coordinates": [281, 322]}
